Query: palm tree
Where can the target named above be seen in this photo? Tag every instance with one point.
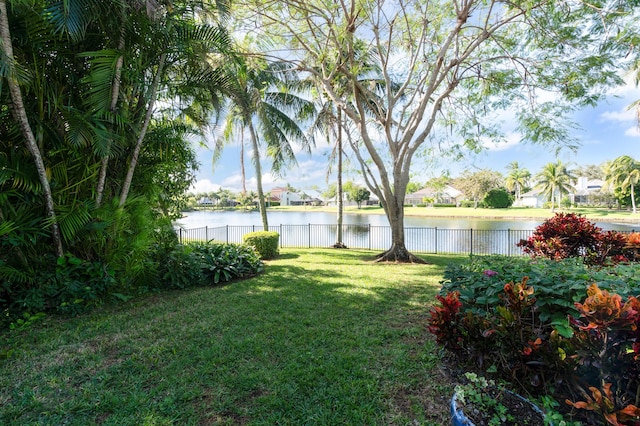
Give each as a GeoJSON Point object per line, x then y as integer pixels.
{"type": "Point", "coordinates": [260, 102]}
{"type": "Point", "coordinates": [554, 181]}
{"type": "Point", "coordinates": [330, 122]}
{"type": "Point", "coordinates": [517, 179]}
{"type": "Point", "coordinates": [20, 115]}
{"type": "Point", "coordinates": [623, 173]}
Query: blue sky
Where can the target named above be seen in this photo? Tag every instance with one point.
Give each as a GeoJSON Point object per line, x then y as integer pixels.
{"type": "Point", "coordinates": [606, 132]}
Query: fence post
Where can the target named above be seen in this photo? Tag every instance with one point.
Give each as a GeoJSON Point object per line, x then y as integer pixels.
{"type": "Point", "coordinates": [471, 249]}
{"type": "Point", "coordinates": [436, 239]}
{"type": "Point", "coordinates": [369, 234]}
{"type": "Point", "coordinates": [206, 233]}
{"type": "Point", "coordinates": [227, 234]}
{"type": "Point", "coordinates": [508, 242]}
{"type": "Point", "coordinates": [180, 231]}
{"type": "Point", "coordinates": [309, 234]}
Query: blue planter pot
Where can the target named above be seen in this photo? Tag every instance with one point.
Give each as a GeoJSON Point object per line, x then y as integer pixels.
{"type": "Point", "coordinates": [458, 417]}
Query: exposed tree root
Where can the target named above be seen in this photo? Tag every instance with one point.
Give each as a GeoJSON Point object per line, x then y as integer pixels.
{"type": "Point", "coordinates": [339, 245]}
{"type": "Point", "coordinates": [398, 254]}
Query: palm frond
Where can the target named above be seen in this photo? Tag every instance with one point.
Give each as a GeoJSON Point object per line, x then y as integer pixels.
{"type": "Point", "coordinates": [72, 218]}
{"type": "Point", "coordinates": [99, 81]}
{"type": "Point", "coordinates": [73, 17]}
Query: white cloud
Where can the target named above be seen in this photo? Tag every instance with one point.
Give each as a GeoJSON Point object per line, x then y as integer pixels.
{"type": "Point", "coordinates": [510, 140]}
{"type": "Point", "coordinates": [623, 115]}
{"type": "Point", "coordinates": [204, 185]}
{"type": "Point", "coordinates": [633, 131]}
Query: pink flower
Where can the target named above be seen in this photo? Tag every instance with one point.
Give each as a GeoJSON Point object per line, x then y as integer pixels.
{"type": "Point", "coordinates": [489, 273]}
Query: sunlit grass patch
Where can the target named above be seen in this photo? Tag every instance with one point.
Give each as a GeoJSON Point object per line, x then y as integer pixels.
{"type": "Point", "coordinates": [323, 336]}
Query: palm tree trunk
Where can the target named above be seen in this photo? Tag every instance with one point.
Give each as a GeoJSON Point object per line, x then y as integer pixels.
{"type": "Point", "coordinates": [256, 164]}
{"type": "Point", "coordinates": [340, 202]}
{"type": "Point", "coordinates": [633, 199]}
{"type": "Point", "coordinates": [115, 90]}
{"type": "Point", "coordinates": [20, 116]}
{"type": "Point", "coordinates": [242, 171]}
{"type": "Point", "coordinates": [126, 185]}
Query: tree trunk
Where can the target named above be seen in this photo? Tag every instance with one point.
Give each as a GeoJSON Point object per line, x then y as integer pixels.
{"type": "Point", "coordinates": [126, 185]}
{"type": "Point", "coordinates": [256, 163]}
{"type": "Point", "coordinates": [20, 116]}
{"type": "Point", "coordinates": [398, 251]}
{"type": "Point", "coordinates": [339, 201]}
{"type": "Point", "coordinates": [633, 199]}
{"type": "Point", "coordinates": [242, 171]}
{"type": "Point", "coordinates": [115, 90]}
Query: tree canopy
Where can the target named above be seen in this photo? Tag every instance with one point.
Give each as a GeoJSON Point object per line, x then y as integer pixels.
{"type": "Point", "coordinates": [439, 73]}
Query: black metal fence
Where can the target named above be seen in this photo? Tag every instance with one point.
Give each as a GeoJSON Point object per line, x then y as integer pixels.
{"type": "Point", "coordinates": [364, 236]}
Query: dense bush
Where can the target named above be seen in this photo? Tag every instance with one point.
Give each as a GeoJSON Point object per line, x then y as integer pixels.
{"type": "Point", "coordinates": [265, 243]}
{"type": "Point", "coordinates": [559, 284]}
{"type": "Point", "coordinates": [549, 328]}
{"type": "Point", "coordinates": [198, 264]}
{"type": "Point", "coordinates": [65, 285]}
{"type": "Point", "coordinates": [570, 235]}
{"type": "Point", "coordinates": [74, 285]}
{"type": "Point", "coordinates": [498, 198]}
{"type": "Point", "coordinates": [221, 262]}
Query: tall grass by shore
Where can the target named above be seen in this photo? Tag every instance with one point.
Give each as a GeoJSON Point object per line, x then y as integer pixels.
{"type": "Point", "coordinates": [323, 337]}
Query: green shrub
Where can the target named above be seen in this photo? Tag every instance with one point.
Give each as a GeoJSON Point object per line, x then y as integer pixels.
{"type": "Point", "coordinates": [65, 285]}
{"type": "Point", "coordinates": [466, 203]}
{"type": "Point", "coordinates": [498, 198]}
{"type": "Point", "coordinates": [222, 262]}
{"type": "Point", "coordinates": [548, 327]}
{"type": "Point", "coordinates": [177, 267]}
{"type": "Point", "coordinates": [265, 243]}
{"type": "Point", "coordinates": [558, 284]}
{"type": "Point", "coordinates": [444, 205]}
{"type": "Point", "coordinates": [421, 205]}
{"type": "Point", "coordinates": [197, 264]}
{"type": "Point", "coordinates": [570, 235]}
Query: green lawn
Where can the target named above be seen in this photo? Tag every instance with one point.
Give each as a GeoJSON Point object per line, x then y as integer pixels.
{"type": "Point", "coordinates": [595, 214]}
{"type": "Point", "coordinates": [324, 337]}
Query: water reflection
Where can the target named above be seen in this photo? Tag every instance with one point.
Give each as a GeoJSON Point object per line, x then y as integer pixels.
{"type": "Point", "coordinates": [318, 229]}
{"type": "Point", "coordinates": [198, 219]}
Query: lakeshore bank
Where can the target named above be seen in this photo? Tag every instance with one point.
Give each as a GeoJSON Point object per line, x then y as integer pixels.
{"type": "Point", "coordinates": [511, 213]}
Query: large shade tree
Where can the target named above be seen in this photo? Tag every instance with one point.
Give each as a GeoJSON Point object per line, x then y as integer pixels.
{"type": "Point", "coordinates": [446, 65]}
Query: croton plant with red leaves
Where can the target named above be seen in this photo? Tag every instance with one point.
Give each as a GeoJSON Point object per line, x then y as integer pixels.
{"type": "Point", "coordinates": [596, 370]}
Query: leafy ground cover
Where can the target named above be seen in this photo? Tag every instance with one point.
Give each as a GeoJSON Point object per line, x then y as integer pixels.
{"type": "Point", "coordinates": [565, 329]}
{"type": "Point", "coordinates": [322, 337]}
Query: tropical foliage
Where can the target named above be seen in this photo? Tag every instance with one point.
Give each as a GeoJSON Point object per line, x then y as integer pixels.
{"type": "Point", "coordinates": [548, 328]}
{"type": "Point", "coordinates": [554, 181]}
{"type": "Point", "coordinates": [623, 174]}
{"type": "Point", "coordinates": [569, 235]}
{"type": "Point", "coordinates": [111, 116]}
{"type": "Point", "coordinates": [259, 101]}
{"type": "Point", "coordinates": [517, 179]}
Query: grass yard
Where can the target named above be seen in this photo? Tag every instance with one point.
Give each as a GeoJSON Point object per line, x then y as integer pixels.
{"type": "Point", "coordinates": [324, 337]}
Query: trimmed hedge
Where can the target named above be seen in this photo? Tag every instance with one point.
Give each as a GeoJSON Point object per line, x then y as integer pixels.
{"type": "Point", "coordinates": [265, 243]}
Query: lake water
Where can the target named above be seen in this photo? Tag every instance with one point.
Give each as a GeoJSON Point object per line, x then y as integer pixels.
{"type": "Point", "coordinates": [199, 219]}
{"type": "Point", "coordinates": [306, 229]}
